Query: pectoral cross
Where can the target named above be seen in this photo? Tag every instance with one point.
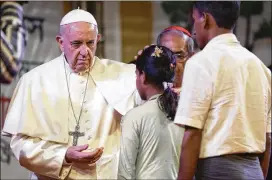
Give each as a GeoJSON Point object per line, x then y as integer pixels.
{"type": "Point", "coordinates": [76, 134]}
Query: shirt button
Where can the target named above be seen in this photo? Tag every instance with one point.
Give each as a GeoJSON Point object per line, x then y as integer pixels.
{"type": "Point", "coordinates": [89, 137]}
{"type": "Point", "coordinates": [81, 82]}
{"type": "Point", "coordinates": [85, 110]}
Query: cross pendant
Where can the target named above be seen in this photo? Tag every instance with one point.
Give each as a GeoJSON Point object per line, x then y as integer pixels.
{"type": "Point", "coordinates": [76, 134]}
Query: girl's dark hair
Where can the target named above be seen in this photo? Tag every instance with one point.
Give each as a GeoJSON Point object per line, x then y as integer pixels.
{"type": "Point", "coordinates": [158, 63]}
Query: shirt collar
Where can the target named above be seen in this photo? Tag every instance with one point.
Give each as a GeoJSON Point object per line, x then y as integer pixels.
{"type": "Point", "coordinates": [154, 97]}
{"type": "Point", "coordinates": [228, 38]}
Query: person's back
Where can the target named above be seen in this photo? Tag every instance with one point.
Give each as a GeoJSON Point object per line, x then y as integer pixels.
{"type": "Point", "coordinates": [240, 91]}
{"type": "Point", "coordinates": [150, 141]}
{"type": "Point", "coordinates": [225, 101]}
{"type": "Point", "coordinates": [160, 141]}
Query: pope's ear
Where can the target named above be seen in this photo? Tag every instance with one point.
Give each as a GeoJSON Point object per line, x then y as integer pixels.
{"type": "Point", "coordinates": [98, 38]}
{"type": "Point", "coordinates": [60, 42]}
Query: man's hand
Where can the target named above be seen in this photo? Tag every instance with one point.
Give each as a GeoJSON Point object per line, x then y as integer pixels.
{"type": "Point", "coordinates": [141, 51]}
{"type": "Point", "coordinates": [176, 90]}
{"type": "Point", "coordinates": [76, 154]}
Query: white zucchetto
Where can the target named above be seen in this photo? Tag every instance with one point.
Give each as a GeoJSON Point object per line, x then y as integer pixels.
{"type": "Point", "coordinates": [78, 15]}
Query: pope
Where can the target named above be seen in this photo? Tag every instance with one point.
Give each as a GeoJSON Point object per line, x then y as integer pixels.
{"type": "Point", "coordinates": [64, 116]}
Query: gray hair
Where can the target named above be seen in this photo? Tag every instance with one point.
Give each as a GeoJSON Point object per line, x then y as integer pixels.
{"type": "Point", "coordinates": [189, 41]}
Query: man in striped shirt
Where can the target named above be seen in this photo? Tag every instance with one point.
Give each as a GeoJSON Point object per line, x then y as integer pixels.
{"type": "Point", "coordinates": [13, 40]}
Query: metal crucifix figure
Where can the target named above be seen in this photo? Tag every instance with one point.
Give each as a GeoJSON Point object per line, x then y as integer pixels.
{"type": "Point", "coordinates": [76, 134]}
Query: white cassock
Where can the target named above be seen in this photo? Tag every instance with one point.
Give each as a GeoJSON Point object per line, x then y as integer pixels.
{"type": "Point", "coordinates": [40, 117]}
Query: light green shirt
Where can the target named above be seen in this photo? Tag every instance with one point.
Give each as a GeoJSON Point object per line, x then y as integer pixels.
{"type": "Point", "coordinates": [150, 144]}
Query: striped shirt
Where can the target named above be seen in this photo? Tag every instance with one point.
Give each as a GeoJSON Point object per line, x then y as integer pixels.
{"type": "Point", "coordinates": [13, 40]}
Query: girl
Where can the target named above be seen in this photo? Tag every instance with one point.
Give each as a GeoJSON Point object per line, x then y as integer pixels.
{"type": "Point", "coordinates": [150, 141]}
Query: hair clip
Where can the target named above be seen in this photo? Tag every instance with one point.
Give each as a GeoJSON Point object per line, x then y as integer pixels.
{"type": "Point", "coordinates": [157, 52]}
{"type": "Point", "coordinates": [167, 85]}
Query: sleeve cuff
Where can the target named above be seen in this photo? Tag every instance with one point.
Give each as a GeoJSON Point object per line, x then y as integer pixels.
{"type": "Point", "coordinates": [65, 163]}
{"type": "Point", "coordinates": [180, 120]}
{"type": "Point", "coordinates": [66, 167]}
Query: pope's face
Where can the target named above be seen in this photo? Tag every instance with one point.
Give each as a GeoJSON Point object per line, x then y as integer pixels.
{"type": "Point", "coordinates": [78, 41]}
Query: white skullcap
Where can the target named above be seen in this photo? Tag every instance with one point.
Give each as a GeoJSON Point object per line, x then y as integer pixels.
{"type": "Point", "coordinates": [78, 15]}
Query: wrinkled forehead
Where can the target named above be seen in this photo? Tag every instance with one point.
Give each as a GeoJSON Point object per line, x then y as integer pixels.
{"type": "Point", "coordinates": [175, 41]}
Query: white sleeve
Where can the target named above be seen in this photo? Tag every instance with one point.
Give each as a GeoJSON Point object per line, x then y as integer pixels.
{"type": "Point", "coordinates": [41, 157]}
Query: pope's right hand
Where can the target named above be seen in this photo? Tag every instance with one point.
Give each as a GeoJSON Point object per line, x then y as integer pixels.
{"type": "Point", "coordinates": [76, 154]}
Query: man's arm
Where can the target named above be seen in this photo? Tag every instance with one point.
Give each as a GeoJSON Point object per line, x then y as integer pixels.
{"type": "Point", "coordinates": [265, 157]}
{"type": "Point", "coordinates": [41, 157]}
{"type": "Point", "coordinates": [128, 149]}
{"type": "Point", "coordinates": [190, 152]}
{"type": "Point", "coordinates": [192, 112]}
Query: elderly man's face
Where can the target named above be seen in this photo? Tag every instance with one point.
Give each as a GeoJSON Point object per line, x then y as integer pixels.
{"type": "Point", "coordinates": [177, 45]}
{"type": "Point", "coordinates": [78, 41]}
